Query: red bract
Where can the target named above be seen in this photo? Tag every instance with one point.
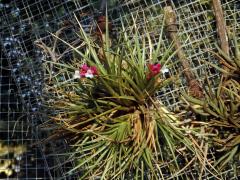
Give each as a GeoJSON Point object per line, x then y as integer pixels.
{"type": "Point", "coordinates": [154, 70]}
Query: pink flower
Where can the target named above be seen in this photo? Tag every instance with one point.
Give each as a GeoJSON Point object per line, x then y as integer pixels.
{"type": "Point", "coordinates": [94, 70]}
{"type": "Point", "coordinates": [88, 72]}
{"type": "Point", "coordinates": [84, 67]}
{"type": "Point", "coordinates": [154, 70]}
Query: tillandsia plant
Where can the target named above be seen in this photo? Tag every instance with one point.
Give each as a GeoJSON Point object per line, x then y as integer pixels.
{"type": "Point", "coordinates": [108, 105]}
{"type": "Point", "coordinates": [222, 108]}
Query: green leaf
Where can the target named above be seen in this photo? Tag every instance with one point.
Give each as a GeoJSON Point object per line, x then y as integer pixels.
{"type": "Point", "coordinates": [89, 158]}
{"type": "Point", "coordinates": [226, 158]}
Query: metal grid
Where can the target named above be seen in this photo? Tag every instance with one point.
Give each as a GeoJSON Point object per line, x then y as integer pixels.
{"type": "Point", "coordinates": [16, 127]}
{"type": "Point", "coordinates": [24, 21]}
{"type": "Point", "coordinates": [197, 33]}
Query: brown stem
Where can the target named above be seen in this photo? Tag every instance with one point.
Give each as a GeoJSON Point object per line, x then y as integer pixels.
{"type": "Point", "coordinates": [171, 23]}
{"type": "Point", "coordinates": [221, 26]}
{"type": "Point", "coordinates": [222, 32]}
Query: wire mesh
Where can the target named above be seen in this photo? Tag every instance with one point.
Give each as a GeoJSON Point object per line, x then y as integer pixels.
{"type": "Point", "coordinates": [23, 22]}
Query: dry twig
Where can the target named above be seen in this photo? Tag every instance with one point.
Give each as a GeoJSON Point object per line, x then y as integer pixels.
{"type": "Point", "coordinates": [194, 86]}
{"type": "Point", "coordinates": [221, 26]}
